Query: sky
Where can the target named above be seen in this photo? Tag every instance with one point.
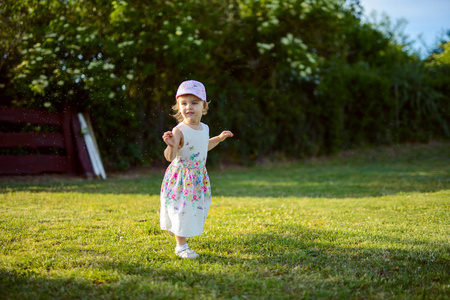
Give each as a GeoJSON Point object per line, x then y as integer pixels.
{"type": "Point", "coordinates": [431, 18]}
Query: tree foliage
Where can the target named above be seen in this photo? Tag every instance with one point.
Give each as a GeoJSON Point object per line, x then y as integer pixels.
{"type": "Point", "coordinates": [294, 77]}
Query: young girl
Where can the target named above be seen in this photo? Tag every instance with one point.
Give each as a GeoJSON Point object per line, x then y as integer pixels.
{"type": "Point", "coordinates": [185, 191]}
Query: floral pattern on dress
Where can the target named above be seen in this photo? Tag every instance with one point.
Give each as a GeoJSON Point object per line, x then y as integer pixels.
{"type": "Point", "coordinates": [183, 185]}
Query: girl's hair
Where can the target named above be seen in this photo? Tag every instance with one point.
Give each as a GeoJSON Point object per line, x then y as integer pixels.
{"type": "Point", "coordinates": [177, 115]}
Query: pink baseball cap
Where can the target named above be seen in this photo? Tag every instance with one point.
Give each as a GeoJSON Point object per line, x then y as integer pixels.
{"type": "Point", "coordinates": [193, 87]}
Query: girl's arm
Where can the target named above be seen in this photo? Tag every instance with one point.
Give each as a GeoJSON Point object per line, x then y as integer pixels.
{"type": "Point", "coordinates": [214, 141]}
{"type": "Point", "coordinates": [173, 139]}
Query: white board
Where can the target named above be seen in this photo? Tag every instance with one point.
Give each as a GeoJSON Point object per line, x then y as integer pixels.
{"type": "Point", "coordinates": [94, 155]}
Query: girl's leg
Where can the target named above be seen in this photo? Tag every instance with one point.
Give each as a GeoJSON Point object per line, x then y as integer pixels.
{"type": "Point", "coordinates": [180, 240]}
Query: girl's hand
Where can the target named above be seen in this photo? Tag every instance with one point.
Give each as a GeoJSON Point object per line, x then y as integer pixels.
{"type": "Point", "coordinates": [169, 139]}
{"type": "Point", "coordinates": [225, 134]}
{"type": "Point", "coordinates": [213, 142]}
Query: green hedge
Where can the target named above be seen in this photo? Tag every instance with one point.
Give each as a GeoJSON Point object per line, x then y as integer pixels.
{"type": "Point", "coordinates": [289, 78]}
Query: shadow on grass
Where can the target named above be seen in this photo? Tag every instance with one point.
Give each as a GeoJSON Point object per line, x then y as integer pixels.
{"type": "Point", "coordinates": [261, 266]}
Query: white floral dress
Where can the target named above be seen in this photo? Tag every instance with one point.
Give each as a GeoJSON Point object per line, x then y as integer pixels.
{"type": "Point", "coordinates": [185, 190]}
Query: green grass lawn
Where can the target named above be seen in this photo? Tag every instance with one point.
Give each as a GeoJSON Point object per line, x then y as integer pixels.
{"type": "Point", "coordinates": [373, 224]}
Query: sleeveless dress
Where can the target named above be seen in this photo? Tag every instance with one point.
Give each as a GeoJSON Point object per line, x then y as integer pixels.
{"type": "Point", "coordinates": [185, 190]}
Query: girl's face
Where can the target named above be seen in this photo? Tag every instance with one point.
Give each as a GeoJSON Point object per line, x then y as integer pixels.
{"type": "Point", "coordinates": [191, 108]}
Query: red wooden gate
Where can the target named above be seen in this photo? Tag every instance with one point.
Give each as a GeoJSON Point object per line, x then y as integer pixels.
{"type": "Point", "coordinates": [39, 163]}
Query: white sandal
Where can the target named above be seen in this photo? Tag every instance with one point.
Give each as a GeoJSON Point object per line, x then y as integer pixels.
{"type": "Point", "coordinates": [187, 253]}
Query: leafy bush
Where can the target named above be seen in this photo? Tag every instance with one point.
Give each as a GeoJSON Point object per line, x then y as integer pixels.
{"type": "Point", "coordinates": [291, 78]}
